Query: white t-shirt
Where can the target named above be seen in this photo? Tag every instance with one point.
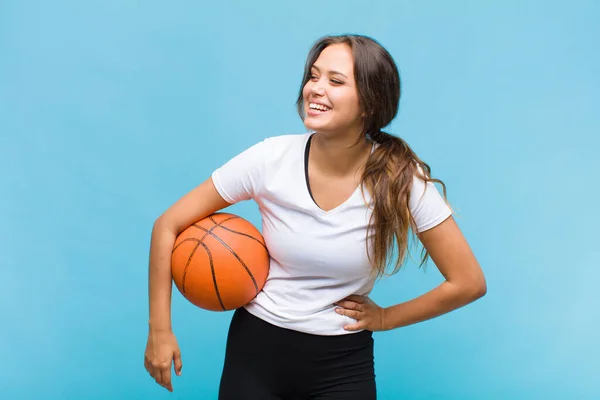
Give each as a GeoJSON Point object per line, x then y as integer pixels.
{"type": "Point", "coordinates": [317, 257]}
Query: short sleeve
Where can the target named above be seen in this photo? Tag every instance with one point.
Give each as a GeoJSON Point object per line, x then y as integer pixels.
{"type": "Point", "coordinates": [427, 205]}
{"type": "Point", "coordinates": [241, 177]}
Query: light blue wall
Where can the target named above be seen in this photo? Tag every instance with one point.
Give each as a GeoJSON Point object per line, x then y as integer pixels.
{"type": "Point", "coordinates": [111, 110]}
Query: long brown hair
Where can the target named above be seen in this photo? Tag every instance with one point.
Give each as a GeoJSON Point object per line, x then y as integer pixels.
{"type": "Point", "coordinates": [389, 172]}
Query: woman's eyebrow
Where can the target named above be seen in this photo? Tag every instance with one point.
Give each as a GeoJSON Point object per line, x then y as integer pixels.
{"type": "Point", "coordinates": [331, 72]}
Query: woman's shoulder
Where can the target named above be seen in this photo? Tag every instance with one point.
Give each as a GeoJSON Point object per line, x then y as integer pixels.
{"type": "Point", "coordinates": [272, 148]}
{"type": "Point", "coordinates": [287, 139]}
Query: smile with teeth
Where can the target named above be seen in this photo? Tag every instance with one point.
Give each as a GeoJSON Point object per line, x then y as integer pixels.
{"type": "Point", "coordinates": [318, 107]}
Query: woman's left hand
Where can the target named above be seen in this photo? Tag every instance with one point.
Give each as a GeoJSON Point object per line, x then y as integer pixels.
{"type": "Point", "coordinates": [367, 314]}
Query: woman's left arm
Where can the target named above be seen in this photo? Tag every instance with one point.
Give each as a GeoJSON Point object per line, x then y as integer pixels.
{"type": "Point", "coordinates": [464, 283]}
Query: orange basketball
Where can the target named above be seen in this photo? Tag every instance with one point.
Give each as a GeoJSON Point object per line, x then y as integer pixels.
{"type": "Point", "coordinates": [220, 263]}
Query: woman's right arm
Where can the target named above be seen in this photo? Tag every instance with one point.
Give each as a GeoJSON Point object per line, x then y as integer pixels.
{"type": "Point", "coordinates": [162, 347]}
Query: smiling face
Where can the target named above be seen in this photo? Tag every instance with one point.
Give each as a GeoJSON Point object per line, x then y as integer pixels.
{"type": "Point", "coordinates": [331, 102]}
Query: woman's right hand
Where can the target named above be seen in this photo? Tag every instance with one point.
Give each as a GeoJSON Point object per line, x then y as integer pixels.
{"type": "Point", "coordinates": [161, 350]}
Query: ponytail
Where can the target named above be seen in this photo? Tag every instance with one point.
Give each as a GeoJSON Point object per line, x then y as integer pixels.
{"type": "Point", "coordinates": [388, 175]}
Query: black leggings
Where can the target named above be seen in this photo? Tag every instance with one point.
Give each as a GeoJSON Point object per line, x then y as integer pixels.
{"type": "Point", "coordinates": [266, 362]}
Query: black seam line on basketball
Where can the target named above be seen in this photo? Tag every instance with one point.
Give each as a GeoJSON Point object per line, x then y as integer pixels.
{"type": "Point", "coordinates": [235, 255]}
{"type": "Point", "coordinates": [225, 220]}
{"type": "Point", "coordinates": [206, 232]}
{"type": "Point", "coordinates": [244, 234]}
{"type": "Point", "coordinates": [212, 227]}
{"type": "Point", "coordinates": [210, 217]}
{"type": "Point", "coordinates": [232, 231]}
{"type": "Point", "coordinates": [185, 240]}
{"type": "Point", "coordinates": [212, 267]}
{"type": "Point", "coordinates": [214, 277]}
{"type": "Point", "coordinates": [185, 269]}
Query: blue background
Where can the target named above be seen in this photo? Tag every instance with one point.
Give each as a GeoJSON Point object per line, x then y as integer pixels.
{"type": "Point", "coordinates": [112, 110]}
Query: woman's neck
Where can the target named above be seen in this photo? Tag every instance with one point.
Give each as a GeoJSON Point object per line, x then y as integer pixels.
{"type": "Point", "coordinates": [338, 155]}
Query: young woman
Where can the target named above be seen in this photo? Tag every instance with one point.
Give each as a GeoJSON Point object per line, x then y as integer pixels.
{"type": "Point", "coordinates": [334, 202]}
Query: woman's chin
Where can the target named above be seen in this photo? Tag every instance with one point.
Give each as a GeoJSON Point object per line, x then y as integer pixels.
{"type": "Point", "coordinates": [313, 125]}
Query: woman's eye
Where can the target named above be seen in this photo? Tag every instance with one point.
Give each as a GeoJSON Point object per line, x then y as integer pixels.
{"type": "Point", "coordinates": [336, 82]}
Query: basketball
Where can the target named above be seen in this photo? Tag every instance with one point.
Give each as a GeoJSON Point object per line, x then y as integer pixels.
{"type": "Point", "coordinates": [220, 263]}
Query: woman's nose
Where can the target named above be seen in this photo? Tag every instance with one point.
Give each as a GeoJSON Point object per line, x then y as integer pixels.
{"type": "Point", "coordinates": [318, 88]}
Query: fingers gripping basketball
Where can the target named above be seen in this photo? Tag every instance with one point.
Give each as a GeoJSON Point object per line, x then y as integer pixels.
{"type": "Point", "coordinates": [220, 263]}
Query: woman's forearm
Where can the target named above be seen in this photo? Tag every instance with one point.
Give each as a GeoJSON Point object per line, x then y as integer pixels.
{"type": "Point", "coordinates": [440, 300]}
{"type": "Point", "coordinates": [159, 277]}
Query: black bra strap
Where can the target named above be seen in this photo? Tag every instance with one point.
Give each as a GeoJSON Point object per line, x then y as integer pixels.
{"type": "Point", "coordinates": [306, 153]}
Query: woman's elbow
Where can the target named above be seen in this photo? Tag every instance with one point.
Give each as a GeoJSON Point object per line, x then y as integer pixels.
{"type": "Point", "coordinates": [164, 224]}
{"type": "Point", "coordinates": [476, 288]}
